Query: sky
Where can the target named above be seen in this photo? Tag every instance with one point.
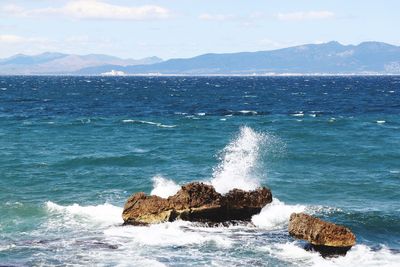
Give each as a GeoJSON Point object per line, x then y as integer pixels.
{"type": "Point", "coordinates": [186, 28]}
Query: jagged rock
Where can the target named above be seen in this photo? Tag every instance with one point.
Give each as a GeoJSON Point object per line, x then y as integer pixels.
{"type": "Point", "coordinates": [327, 238]}
{"type": "Point", "coordinates": [195, 202]}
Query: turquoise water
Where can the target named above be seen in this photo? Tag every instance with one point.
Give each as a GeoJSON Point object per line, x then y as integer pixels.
{"type": "Point", "coordinates": [73, 149]}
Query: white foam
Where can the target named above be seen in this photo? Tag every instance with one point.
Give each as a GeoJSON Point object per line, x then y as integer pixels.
{"type": "Point", "coordinates": [359, 255]}
{"type": "Point", "coordinates": [165, 235]}
{"type": "Point", "coordinates": [276, 215]}
{"type": "Point", "coordinates": [380, 122]}
{"type": "Point", "coordinates": [239, 161]}
{"type": "Point", "coordinates": [163, 187]}
{"type": "Point", "coordinates": [105, 213]}
{"type": "Point", "coordinates": [7, 247]}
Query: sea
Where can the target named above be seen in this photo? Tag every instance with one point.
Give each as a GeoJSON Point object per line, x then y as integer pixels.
{"type": "Point", "coordinates": [73, 149]}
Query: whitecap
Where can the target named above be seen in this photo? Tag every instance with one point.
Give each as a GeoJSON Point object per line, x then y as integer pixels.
{"type": "Point", "coordinates": [380, 121]}
{"type": "Point", "coordinates": [252, 112]}
{"type": "Point", "coordinates": [201, 114]}
{"type": "Point", "coordinates": [163, 187]}
{"type": "Point", "coordinates": [298, 114]}
{"type": "Point", "coordinates": [158, 124]}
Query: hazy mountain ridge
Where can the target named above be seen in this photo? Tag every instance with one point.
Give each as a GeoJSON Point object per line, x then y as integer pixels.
{"type": "Point", "coordinates": [59, 63]}
{"type": "Point", "coordinates": [329, 58]}
{"type": "Point", "coordinates": [332, 57]}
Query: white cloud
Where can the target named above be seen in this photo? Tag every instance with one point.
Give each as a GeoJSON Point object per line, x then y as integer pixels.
{"type": "Point", "coordinates": [217, 17]}
{"type": "Point", "coordinates": [94, 9]}
{"type": "Point", "coordinates": [310, 15]}
{"type": "Point", "coordinates": [10, 39]}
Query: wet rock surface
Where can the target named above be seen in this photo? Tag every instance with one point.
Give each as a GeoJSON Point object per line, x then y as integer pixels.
{"type": "Point", "coordinates": [325, 237]}
{"type": "Point", "coordinates": [196, 202]}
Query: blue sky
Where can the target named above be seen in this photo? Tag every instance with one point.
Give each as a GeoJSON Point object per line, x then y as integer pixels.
{"type": "Point", "coordinates": [185, 28]}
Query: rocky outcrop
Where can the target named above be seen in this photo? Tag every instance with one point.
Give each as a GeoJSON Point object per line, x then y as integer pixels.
{"type": "Point", "coordinates": [325, 237]}
{"type": "Point", "coordinates": [195, 202]}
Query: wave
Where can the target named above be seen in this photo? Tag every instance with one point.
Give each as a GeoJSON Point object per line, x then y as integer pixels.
{"type": "Point", "coordinates": [105, 213]}
{"type": "Point", "coordinates": [104, 222]}
{"type": "Point", "coordinates": [158, 124]}
{"type": "Point", "coordinates": [163, 187]}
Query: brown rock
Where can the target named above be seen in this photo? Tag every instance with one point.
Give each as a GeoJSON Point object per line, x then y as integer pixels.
{"type": "Point", "coordinates": [195, 202]}
{"type": "Point", "coordinates": [324, 236]}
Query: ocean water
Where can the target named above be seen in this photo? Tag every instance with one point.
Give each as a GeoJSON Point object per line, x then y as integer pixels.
{"type": "Point", "coordinates": [73, 149]}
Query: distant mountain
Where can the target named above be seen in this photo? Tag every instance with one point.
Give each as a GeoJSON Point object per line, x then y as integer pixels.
{"type": "Point", "coordinates": [332, 57]}
{"type": "Point", "coordinates": [58, 63]}
{"type": "Point", "coordinates": [329, 58]}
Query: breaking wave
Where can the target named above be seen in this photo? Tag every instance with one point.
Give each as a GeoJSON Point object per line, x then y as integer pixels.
{"type": "Point", "coordinates": [275, 215]}
{"type": "Point", "coordinates": [105, 213]}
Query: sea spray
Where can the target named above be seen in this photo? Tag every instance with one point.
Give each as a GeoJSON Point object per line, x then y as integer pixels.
{"type": "Point", "coordinates": [241, 160]}
{"type": "Point", "coordinates": [164, 187]}
{"type": "Point", "coordinates": [276, 215]}
{"type": "Point", "coordinates": [239, 167]}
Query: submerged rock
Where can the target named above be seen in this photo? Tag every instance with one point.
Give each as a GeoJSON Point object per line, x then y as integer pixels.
{"type": "Point", "coordinates": [327, 238]}
{"type": "Point", "coordinates": [195, 202]}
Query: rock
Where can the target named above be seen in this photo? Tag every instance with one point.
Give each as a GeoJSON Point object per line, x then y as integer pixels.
{"type": "Point", "coordinates": [327, 238]}
{"type": "Point", "coordinates": [195, 202]}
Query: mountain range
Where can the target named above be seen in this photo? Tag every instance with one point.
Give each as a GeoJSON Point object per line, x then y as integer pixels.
{"type": "Point", "coordinates": [59, 63]}
{"type": "Point", "coordinates": [326, 58]}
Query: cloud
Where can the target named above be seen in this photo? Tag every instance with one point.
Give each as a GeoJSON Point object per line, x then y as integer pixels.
{"type": "Point", "coordinates": [93, 9]}
{"type": "Point", "coordinates": [16, 39]}
{"type": "Point", "coordinates": [217, 17]}
{"type": "Point", "coordinates": [310, 15]}
{"type": "Point", "coordinates": [11, 39]}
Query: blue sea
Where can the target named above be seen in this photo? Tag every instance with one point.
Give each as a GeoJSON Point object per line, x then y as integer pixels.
{"type": "Point", "coordinates": [73, 149]}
